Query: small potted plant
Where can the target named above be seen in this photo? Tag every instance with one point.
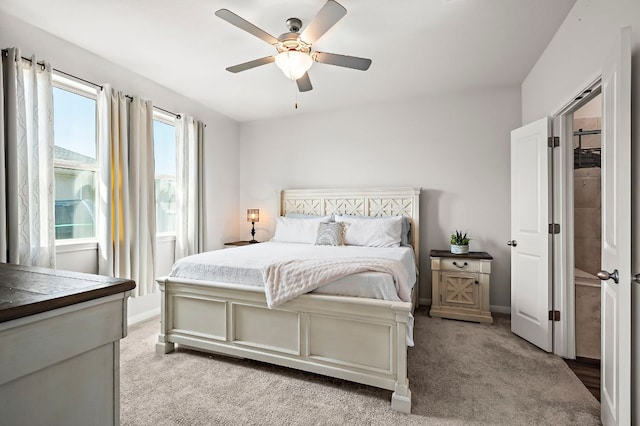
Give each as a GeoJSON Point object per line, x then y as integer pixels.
{"type": "Point", "coordinates": [459, 243]}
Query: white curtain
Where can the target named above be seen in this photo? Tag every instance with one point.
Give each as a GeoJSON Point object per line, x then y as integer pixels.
{"type": "Point", "coordinates": [26, 162]}
{"type": "Point", "coordinates": [189, 187]}
{"type": "Point", "coordinates": [113, 204]}
{"type": "Point", "coordinates": [126, 208]}
{"type": "Point", "coordinates": [142, 201]}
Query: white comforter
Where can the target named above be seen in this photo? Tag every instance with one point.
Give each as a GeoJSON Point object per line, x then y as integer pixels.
{"type": "Point", "coordinates": [246, 265]}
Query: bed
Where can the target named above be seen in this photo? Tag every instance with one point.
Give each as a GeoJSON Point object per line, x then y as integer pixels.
{"type": "Point", "coordinates": [359, 339]}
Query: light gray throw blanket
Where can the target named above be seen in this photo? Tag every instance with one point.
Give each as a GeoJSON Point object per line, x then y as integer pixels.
{"type": "Point", "coordinates": [287, 280]}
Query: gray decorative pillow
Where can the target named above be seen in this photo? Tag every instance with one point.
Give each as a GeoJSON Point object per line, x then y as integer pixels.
{"type": "Point", "coordinates": [330, 234]}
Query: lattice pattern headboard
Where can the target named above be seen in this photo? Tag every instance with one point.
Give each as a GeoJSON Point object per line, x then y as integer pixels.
{"type": "Point", "coordinates": [364, 202]}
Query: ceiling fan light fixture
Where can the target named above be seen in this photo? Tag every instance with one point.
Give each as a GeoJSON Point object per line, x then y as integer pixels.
{"type": "Point", "coordinates": [294, 63]}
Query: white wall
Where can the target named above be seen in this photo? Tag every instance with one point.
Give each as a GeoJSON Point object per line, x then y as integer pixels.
{"type": "Point", "coordinates": [221, 135]}
{"type": "Point", "coordinates": [454, 146]}
{"type": "Point", "coordinates": [574, 58]}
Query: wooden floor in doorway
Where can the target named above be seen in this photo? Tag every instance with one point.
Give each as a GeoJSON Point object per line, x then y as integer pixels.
{"type": "Point", "coordinates": [588, 371]}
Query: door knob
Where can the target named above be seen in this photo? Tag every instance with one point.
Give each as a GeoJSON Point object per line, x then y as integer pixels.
{"type": "Point", "coordinates": [636, 278]}
{"type": "Point", "coordinates": [604, 275]}
{"type": "Point", "coordinates": [512, 243]}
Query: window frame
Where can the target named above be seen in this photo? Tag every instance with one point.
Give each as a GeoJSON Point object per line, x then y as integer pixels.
{"type": "Point", "coordinates": [170, 120]}
{"type": "Point", "coordinates": [88, 91]}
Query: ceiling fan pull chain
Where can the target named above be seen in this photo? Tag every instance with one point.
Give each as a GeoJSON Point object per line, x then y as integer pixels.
{"type": "Point", "coordinates": [296, 105]}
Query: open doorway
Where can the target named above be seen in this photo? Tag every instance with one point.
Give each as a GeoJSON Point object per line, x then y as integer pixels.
{"type": "Point", "coordinates": [587, 214]}
{"type": "Point", "coordinates": [584, 179]}
{"type": "Point", "coordinates": [543, 309]}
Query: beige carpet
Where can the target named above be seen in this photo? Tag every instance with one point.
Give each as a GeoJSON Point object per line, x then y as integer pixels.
{"type": "Point", "coordinates": [460, 373]}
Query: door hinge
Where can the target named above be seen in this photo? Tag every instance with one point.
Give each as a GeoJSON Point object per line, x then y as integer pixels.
{"type": "Point", "coordinates": [554, 141]}
{"type": "Point", "coordinates": [554, 228]}
{"type": "Point", "coordinates": [554, 315]}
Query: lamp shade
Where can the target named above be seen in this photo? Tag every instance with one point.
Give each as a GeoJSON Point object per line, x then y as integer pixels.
{"type": "Point", "coordinates": [293, 63]}
{"type": "Point", "coordinates": [253, 215]}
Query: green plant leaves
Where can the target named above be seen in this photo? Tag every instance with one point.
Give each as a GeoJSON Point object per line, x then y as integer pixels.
{"type": "Point", "coordinates": [460, 239]}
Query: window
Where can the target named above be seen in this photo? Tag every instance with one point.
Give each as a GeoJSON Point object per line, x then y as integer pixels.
{"type": "Point", "coordinates": [164, 145]}
{"type": "Point", "coordinates": [75, 159]}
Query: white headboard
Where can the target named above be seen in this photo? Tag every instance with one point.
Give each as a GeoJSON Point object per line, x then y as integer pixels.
{"type": "Point", "coordinates": [362, 202]}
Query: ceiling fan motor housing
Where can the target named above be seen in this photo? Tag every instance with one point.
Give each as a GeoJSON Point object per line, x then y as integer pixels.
{"type": "Point", "coordinates": [294, 24]}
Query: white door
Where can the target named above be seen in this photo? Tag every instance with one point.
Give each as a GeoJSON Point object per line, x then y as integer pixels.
{"type": "Point", "coordinates": [530, 240]}
{"type": "Point", "coordinates": [616, 234]}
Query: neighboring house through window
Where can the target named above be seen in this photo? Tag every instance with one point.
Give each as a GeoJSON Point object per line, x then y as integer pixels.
{"type": "Point", "coordinates": [76, 163]}
{"type": "Point", "coordinates": [75, 159]}
{"type": "Point", "coordinates": [164, 140]}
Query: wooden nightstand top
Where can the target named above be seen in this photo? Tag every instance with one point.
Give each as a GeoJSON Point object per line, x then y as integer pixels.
{"type": "Point", "coordinates": [482, 255]}
{"type": "Point", "coordinates": [240, 243]}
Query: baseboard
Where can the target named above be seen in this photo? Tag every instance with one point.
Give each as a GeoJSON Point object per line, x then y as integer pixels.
{"type": "Point", "coordinates": [500, 309]}
{"type": "Point", "coordinates": [143, 316]}
{"type": "Point", "coordinates": [494, 308]}
{"type": "Point", "coordinates": [143, 307]}
{"type": "Point", "coordinates": [423, 302]}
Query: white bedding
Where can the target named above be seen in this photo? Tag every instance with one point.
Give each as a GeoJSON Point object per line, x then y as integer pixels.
{"type": "Point", "coordinates": [287, 280]}
{"type": "Point", "coordinates": [245, 265]}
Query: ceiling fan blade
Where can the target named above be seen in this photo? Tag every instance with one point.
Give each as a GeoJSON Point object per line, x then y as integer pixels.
{"type": "Point", "coordinates": [243, 24]}
{"type": "Point", "coordinates": [251, 64]}
{"type": "Point", "coordinates": [304, 84]}
{"type": "Point", "coordinates": [343, 61]}
{"type": "Point", "coordinates": [326, 18]}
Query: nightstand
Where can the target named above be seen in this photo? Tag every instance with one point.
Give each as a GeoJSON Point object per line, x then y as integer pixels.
{"type": "Point", "coordinates": [460, 285]}
{"type": "Point", "coordinates": [239, 243]}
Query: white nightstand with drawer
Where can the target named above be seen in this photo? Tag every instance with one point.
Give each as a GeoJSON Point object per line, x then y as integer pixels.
{"type": "Point", "coordinates": [460, 285]}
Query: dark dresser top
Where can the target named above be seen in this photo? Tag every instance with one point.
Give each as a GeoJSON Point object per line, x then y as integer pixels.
{"type": "Point", "coordinates": [28, 290]}
{"type": "Point", "coordinates": [482, 255]}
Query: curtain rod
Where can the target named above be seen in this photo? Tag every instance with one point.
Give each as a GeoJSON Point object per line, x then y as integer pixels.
{"type": "Point", "coordinates": [156, 107]}
{"type": "Point", "coordinates": [6, 52]}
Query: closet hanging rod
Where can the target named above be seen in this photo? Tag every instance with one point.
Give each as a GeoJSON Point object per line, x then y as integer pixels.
{"type": "Point", "coordinates": [586, 132]}
{"type": "Point", "coordinates": [6, 52]}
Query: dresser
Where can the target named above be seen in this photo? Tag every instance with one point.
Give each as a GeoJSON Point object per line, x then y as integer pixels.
{"type": "Point", "coordinates": [460, 285]}
{"type": "Point", "coordinates": [60, 346]}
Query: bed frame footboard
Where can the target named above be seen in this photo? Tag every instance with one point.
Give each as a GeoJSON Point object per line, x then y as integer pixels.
{"type": "Point", "coordinates": [356, 339]}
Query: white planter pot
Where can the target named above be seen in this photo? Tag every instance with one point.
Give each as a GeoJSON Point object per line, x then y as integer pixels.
{"type": "Point", "coordinates": [455, 249]}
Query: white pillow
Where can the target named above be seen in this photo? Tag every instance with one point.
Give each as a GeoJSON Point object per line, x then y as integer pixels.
{"type": "Point", "coordinates": [380, 232]}
{"type": "Point", "coordinates": [297, 230]}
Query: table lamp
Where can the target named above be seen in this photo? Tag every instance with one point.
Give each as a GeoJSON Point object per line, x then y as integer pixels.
{"type": "Point", "coordinates": [253, 216]}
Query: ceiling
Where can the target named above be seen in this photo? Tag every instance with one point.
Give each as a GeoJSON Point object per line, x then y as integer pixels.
{"type": "Point", "coordinates": [418, 47]}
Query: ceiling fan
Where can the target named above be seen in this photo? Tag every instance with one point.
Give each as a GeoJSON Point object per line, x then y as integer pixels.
{"type": "Point", "coordinates": [295, 56]}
